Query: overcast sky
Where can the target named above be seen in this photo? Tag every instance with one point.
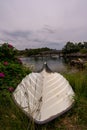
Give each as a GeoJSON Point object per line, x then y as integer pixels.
{"type": "Point", "coordinates": [42, 23]}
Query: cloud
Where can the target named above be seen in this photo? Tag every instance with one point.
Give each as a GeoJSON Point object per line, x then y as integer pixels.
{"type": "Point", "coordinates": [30, 39]}
{"type": "Point", "coordinates": [48, 29]}
{"type": "Point", "coordinates": [48, 36]}
{"type": "Point", "coordinates": [18, 33]}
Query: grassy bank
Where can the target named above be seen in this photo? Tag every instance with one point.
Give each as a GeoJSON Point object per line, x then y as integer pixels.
{"type": "Point", "coordinates": [12, 118]}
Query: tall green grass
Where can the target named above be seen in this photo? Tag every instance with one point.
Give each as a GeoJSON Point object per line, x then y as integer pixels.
{"type": "Point", "coordinates": [78, 81]}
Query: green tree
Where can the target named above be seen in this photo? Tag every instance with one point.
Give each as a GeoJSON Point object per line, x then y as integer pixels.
{"type": "Point", "coordinates": [69, 47]}
{"type": "Point", "coordinates": [80, 45]}
{"type": "Point", "coordinates": [85, 45]}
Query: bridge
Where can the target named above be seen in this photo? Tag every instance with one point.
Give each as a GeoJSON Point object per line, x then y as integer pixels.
{"type": "Point", "coordinates": [51, 53]}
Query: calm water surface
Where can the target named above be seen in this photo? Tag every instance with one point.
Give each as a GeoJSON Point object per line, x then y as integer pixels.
{"type": "Point", "coordinates": [56, 64]}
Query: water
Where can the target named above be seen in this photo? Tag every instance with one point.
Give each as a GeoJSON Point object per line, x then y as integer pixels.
{"type": "Point", "coordinates": [56, 64]}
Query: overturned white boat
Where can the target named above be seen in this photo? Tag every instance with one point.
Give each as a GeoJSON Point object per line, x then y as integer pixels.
{"type": "Point", "coordinates": [44, 95]}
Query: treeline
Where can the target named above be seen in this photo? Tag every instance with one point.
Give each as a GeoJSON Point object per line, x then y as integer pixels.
{"type": "Point", "coordinates": [71, 47]}
{"type": "Point", "coordinates": [30, 52]}
{"type": "Point", "coordinates": [10, 51]}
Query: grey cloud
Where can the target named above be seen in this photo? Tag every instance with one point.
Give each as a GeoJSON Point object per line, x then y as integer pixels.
{"type": "Point", "coordinates": [34, 39]}
{"type": "Point", "coordinates": [37, 40]}
{"type": "Point", "coordinates": [48, 29]}
{"type": "Point", "coordinates": [17, 33]}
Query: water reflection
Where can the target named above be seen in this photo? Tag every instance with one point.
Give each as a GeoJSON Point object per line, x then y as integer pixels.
{"type": "Point", "coordinates": [55, 64]}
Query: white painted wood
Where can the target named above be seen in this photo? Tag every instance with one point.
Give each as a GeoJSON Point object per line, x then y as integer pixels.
{"type": "Point", "coordinates": [44, 95]}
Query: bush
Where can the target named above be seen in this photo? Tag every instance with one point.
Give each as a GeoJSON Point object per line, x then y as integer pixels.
{"type": "Point", "coordinates": [11, 68]}
{"type": "Point", "coordinates": [11, 74]}
{"type": "Point", "coordinates": [7, 52]}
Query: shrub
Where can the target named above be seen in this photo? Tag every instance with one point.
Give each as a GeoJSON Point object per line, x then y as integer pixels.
{"type": "Point", "coordinates": [7, 52]}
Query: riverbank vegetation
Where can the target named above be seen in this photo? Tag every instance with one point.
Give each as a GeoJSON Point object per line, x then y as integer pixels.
{"type": "Point", "coordinates": [33, 52]}
{"type": "Point", "coordinates": [12, 118]}
{"type": "Point", "coordinates": [71, 47]}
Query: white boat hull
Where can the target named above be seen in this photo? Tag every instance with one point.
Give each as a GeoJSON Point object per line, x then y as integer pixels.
{"type": "Point", "coordinates": [44, 95]}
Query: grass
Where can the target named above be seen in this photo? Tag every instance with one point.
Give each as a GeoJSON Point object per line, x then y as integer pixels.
{"type": "Point", "coordinates": [12, 118]}
{"type": "Point", "coordinates": [78, 82]}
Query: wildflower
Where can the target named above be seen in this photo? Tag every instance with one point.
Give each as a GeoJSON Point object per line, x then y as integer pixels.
{"type": "Point", "coordinates": [5, 63]}
{"type": "Point", "coordinates": [19, 61]}
{"type": "Point", "coordinates": [10, 89]}
{"type": "Point", "coordinates": [10, 46]}
{"type": "Point", "coordinates": [2, 75]}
